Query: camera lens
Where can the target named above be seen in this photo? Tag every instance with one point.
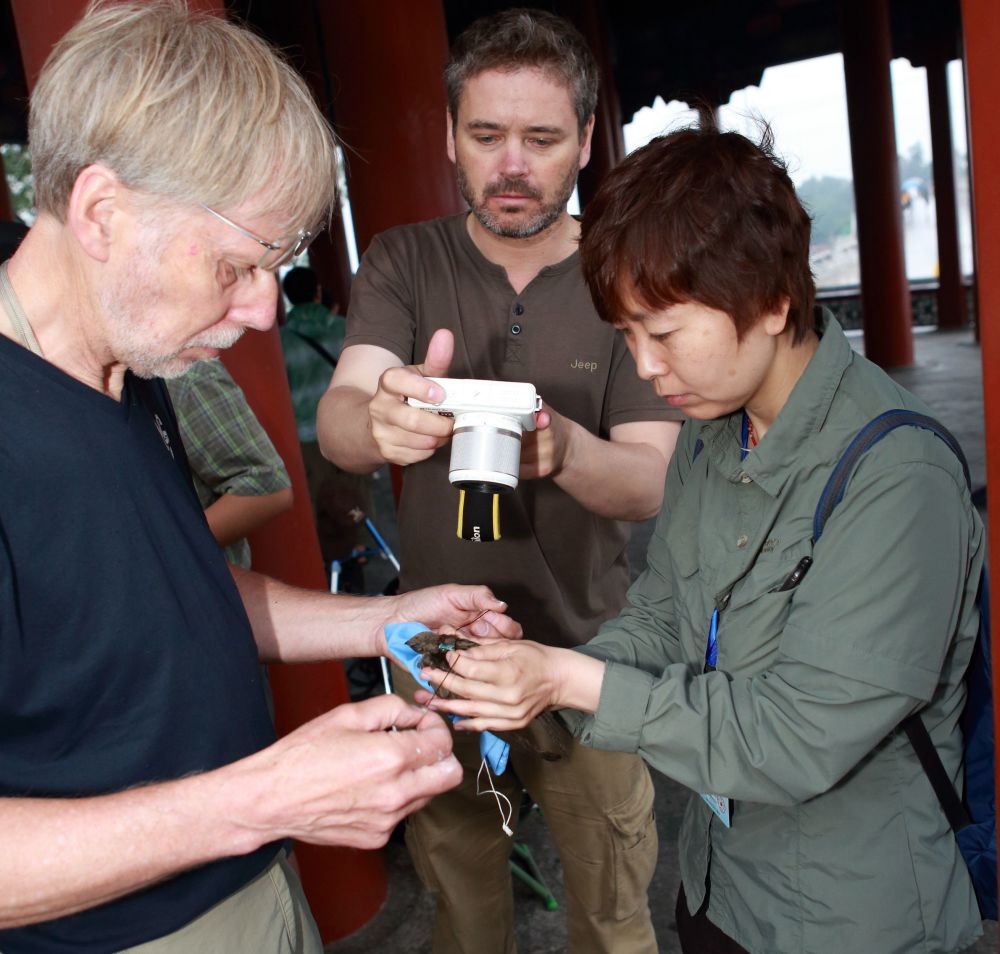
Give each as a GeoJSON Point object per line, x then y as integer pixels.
{"type": "Point", "coordinates": [485, 452]}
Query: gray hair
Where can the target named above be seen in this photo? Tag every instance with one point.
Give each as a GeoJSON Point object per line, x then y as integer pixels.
{"type": "Point", "coordinates": [180, 105]}
{"type": "Point", "coordinates": [523, 38]}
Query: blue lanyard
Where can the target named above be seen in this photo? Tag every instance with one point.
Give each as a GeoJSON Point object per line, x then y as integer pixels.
{"type": "Point", "coordinates": [712, 647]}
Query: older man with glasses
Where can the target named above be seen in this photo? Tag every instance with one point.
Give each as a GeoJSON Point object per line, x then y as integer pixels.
{"type": "Point", "coordinates": [143, 798]}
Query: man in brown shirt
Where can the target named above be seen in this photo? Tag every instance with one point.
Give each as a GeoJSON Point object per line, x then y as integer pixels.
{"type": "Point", "coordinates": [498, 294]}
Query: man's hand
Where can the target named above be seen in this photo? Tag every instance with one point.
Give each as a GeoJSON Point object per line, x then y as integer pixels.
{"type": "Point", "coordinates": [544, 450]}
{"type": "Point", "coordinates": [405, 434]}
{"type": "Point", "coordinates": [342, 779]}
{"type": "Point", "coordinates": [473, 610]}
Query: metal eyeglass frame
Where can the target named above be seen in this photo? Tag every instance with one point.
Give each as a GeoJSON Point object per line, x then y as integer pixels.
{"type": "Point", "coordinates": [299, 242]}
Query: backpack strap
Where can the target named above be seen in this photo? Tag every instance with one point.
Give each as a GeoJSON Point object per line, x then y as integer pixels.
{"type": "Point", "coordinates": [316, 346]}
{"type": "Point", "coordinates": [833, 493]}
{"type": "Point", "coordinates": [863, 441]}
{"type": "Point", "coordinates": [953, 807]}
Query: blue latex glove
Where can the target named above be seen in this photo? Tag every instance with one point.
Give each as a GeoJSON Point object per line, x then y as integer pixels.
{"type": "Point", "coordinates": [494, 750]}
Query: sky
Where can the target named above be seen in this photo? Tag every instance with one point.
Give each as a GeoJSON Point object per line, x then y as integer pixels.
{"type": "Point", "coordinates": [807, 108]}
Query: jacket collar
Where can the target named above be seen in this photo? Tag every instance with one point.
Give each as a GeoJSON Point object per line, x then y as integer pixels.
{"type": "Point", "coordinates": [802, 416]}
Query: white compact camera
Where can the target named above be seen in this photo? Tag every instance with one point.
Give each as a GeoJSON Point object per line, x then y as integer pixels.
{"type": "Point", "coordinates": [489, 418]}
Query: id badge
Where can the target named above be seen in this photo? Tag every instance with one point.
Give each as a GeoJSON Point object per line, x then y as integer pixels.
{"type": "Point", "coordinates": [720, 806]}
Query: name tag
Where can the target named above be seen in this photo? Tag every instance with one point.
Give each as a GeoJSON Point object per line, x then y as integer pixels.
{"type": "Point", "coordinates": [720, 805]}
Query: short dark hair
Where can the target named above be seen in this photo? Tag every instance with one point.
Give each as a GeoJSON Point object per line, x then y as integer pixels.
{"type": "Point", "coordinates": [300, 285]}
{"type": "Point", "coordinates": [523, 38]}
{"type": "Point", "coordinates": [705, 216]}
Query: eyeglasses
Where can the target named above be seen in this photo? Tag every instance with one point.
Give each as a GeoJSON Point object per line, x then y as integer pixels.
{"type": "Point", "coordinates": [277, 253]}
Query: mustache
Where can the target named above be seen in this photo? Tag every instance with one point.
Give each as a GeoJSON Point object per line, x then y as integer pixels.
{"type": "Point", "coordinates": [511, 187]}
{"type": "Point", "coordinates": [221, 338]}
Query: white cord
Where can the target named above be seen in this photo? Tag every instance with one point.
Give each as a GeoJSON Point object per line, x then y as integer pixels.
{"type": "Point", "coordinates": [504, 822]}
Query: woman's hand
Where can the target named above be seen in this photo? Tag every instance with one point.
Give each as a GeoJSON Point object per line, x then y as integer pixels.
{"type": "Point", "coordinates": [503, 685]}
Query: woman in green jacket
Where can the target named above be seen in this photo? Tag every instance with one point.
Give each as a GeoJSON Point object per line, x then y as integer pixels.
{"type": "Point", "coordinates": [764, 671]}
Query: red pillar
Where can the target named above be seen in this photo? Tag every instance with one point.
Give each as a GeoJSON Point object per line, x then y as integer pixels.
{"type": "Point", "coordinates": [293, 26]}
{"type": "Point", "coordinates": [951, 294]}
{"type": "Point", "coordinates": [329, 259]}
{"type": "Point", "coordinates": [885, 293]}
{"type": "Point", "coordinates": [389, 56]}
{"type": "Point", "coordinates": [981, 28]}
{"type": "Point", "coordinates": [345, 887]}
{"type": "Point", "coordinates": [608, 143]}
{"type": "Point", "coordinates": [386, 59]}
{"type": "Point", "coordinates": [38, 26]}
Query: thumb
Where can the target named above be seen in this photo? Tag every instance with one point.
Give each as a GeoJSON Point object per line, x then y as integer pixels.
{"type": "Point", "coordinates": [439, 351]}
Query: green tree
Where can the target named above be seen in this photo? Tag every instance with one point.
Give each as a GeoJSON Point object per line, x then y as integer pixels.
{"type": "Point", "coordinates": [17, 164]}
{"type": "Point", "coordinates": [830, 202]}
{"type": "Point", "coordinates": [914, 165]}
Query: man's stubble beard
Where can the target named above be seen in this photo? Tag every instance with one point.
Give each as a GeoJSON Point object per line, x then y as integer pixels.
{"type": "Point", "coordinates": [546, 215]}
{"type": "Point", "coordinates": [124, 303]}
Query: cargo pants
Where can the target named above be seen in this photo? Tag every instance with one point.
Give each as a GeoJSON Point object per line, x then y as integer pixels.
{"type": "Point", "coordinates": [598, 807]}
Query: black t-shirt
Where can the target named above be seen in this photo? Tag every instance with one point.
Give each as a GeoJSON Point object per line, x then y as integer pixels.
{"type": "Point", "coordinates": [126, 656]}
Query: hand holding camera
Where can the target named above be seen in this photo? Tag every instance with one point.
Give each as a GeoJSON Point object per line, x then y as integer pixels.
{"type": "Point", "coordinates": [544, 451]}
{"type": "Point", "coordinates": [404, 434]}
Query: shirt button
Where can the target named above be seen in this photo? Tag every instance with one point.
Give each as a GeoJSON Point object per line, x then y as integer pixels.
{"type": "Point", "coordinates": [745, 478]}
{"type": "Point", "coordinates": [742, 540]}
{"type": "Point", "coordinates": [515, 329]}
{"type": "Point", "coordinates": [518, 309]}
{"type": "Point", "coordinates": [724, 602]}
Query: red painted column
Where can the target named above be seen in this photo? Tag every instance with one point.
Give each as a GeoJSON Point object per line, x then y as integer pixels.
{"type": "Point", "coordinates": [38, 26]}
{"type": "Point", "coordinates": [386, 61]}
{"type": "Point", "coordinates": [951, 294]}
{"type": "Point", "coordinates": [885, 293]}
{"type": "Point", "coordinates": [293, 26]}
{"type": "Point", "coordinates": [329, 259]}
{"type": "Point", "coordinates": [608, 142]}
{"type": "Point", "coordinates": [345, 887]}
{"type": "Point", "coordinates": [981, 28]}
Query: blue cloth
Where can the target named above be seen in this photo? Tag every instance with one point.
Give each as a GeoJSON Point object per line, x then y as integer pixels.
{"type": "Point", "coordinates": [493, 749]}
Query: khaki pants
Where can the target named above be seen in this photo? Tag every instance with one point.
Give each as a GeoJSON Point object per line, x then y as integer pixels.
{"type": "Point", "coordinates": [599, 809]}
{"type": "Point", "coordinates": [268, 916]}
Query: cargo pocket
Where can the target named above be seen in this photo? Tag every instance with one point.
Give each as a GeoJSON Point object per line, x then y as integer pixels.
{"type": "Point", "coordinates": [608, 853]}
{"type": "Point", "coordinates": [635, 849]}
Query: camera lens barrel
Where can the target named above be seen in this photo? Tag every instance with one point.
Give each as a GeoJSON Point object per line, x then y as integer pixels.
{"type": "Point", "coordinates": [485, 452]}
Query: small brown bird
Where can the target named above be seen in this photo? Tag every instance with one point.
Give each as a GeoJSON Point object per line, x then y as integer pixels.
{"type": "Point", "coordinates": [544, 735]}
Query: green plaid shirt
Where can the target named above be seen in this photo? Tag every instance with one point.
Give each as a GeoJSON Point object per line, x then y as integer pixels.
{"type": "Point", "coordinates": [228, 450]}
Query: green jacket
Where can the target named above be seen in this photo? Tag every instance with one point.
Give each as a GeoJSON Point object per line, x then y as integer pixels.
{"type": "Point", "coordinates": [837, 843]}
{"type": "Point", "coordinates": [308, 371]}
